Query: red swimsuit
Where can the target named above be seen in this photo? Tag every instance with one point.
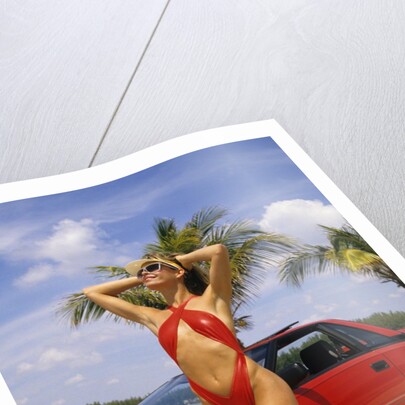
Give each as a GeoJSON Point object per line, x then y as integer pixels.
{"type": "Point", "coordinates": [212, 327]}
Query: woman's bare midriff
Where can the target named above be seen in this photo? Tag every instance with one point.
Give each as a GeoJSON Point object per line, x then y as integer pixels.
{"type": "Point", "coordinates": [218, 363]}
{"type": "Point", "coordinates": [209, 363]}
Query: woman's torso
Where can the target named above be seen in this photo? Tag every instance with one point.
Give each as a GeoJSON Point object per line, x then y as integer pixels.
{"type": "Point", "coordinates": [212, 364]}
{"type": "Point", "coordinates": [207, 360]}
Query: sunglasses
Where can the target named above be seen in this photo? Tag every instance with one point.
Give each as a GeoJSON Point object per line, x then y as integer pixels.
{"type": "Point", "coordinates": [154, 267]}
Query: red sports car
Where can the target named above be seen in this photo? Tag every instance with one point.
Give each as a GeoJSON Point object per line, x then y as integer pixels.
{"type": "Point", "coordinates": [327, 362]}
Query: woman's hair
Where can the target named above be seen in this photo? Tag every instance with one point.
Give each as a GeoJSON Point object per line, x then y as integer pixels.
{"type": "Point", "coordinates": [195, 280]}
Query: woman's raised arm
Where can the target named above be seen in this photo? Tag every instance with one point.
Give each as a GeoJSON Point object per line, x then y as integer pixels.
{"type": "Point", "coordinates": [112, 288]}
{"type": "Point", "coordinates": [105, 295]}
{"type": "Point", "coordinates": [220, 270]}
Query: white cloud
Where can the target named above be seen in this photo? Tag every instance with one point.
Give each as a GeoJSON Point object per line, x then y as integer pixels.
{"type": "Point", "coordinates": [37, 336]}
{"type": "Point", "coordinates": [8, 240]}
{"type": "Point", "coordinates": [53, 357]}
{"type": "Point", "coordinates": [271, 283]}
{"type": "Point", "coordinates": [325, 308]}
{"type": "Point", "coordinates": [270, 325]}
{"type": "Point", "coordinates": [35, 275]}
{"type": "Point", "coordinates": [24, 367]}
{"type": "Point", "coordinates": [22, 401]}
{"type": "Point", "coordinates": [59, 402]}
{"type": "Point", "coordinates": [353, 303]}
{"type": "Point", "coordinates": [113, 381]}
{"type": "Point", "coordinates": [399, 294]}
{"type": "Point", "coordinates": [13, 235]}
{"type": "Point", "coordinates": [268, 319]}
{"type": "Point", "coordinates": [300, 219]}
{"type": "Point", "coordinates": [87, 359]}
{"type": "Point", "coordinates": [50, 339]}
{"type": "Point", "coordinates": [70, 240]}
{"type": "Point", "coordinates": [311, 318]}
{"type": "Point", "coordinates": [71, 247]}
{"type": "Point", "coordinates": [74, 380]}
{"type": "Point", "coordinates": [361, 278]}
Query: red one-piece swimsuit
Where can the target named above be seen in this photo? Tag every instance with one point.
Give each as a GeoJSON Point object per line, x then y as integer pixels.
{"type": "Point", "coordinates": [212, 327]}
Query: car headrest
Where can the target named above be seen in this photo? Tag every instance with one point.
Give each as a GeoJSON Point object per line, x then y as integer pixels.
{"type": "Point", "coordinates": [319, 356]}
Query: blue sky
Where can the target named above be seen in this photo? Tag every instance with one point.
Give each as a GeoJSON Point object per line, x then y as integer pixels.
{"type": "Point", "coordinates": [48, 243]}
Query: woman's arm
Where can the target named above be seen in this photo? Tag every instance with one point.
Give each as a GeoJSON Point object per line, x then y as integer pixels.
{"type": "Point", "coordinates": [113, 288]}
{"type": "Point", "coordinates": [220, 269]}
{"type": "Point", "coordinates": [105, 295]}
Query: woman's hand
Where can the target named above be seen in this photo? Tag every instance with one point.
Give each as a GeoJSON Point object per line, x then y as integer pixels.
{"type": "Point", "coordinates": [205, 254]}
{"type": "Point", "coordinates": [220, 270]}
{"type": "Point", "coordinates": [105, 295]}
{"type": "Point", "coordinates": [112, 288]}
{"type": "Point", "coordinates": [187, 264]}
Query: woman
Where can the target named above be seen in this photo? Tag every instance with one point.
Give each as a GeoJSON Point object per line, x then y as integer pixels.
{"type": "Point", "coordinates": [197, 328]}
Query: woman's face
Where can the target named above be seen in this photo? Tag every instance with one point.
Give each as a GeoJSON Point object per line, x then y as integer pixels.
{"type": "Point", "coordinates": [162, 274]}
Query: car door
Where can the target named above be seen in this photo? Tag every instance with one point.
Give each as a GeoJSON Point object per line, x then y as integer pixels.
{"type": "Point", "coordinates": [370, 378]}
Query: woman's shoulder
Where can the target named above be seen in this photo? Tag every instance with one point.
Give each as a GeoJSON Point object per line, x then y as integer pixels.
{"type": "Point", "coordinates": [208, 304]}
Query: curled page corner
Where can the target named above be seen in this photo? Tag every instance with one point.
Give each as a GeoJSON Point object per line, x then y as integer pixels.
{"type": "Point", "coordinates": [185, 144]}
{"type": "Point", "coordinates": [5, 395]}
{"type": "Point", "coordinates": [137, 161]}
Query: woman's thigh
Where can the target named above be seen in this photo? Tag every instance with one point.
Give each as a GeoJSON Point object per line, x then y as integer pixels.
{"type": "Point", "coordinates": [270, 389]}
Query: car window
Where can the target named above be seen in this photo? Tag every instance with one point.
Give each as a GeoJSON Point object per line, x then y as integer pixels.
{"type": "Point", "coordinates": [318, 351]}
{"type": "Point", "coordinates": [258, 354]}
{"type": "Point", "coordinates": [310, 355]}
{"type": "Point", "coordinates": [292, 353]}
{"type": "Point", "coordinates": [364, 337]}
{"type": "Point", "coordinates": [175, 392]}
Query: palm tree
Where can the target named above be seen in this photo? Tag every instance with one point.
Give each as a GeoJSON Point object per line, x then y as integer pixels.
{"type": "Point", "coordinates": [251, 252]}
{"type": "Point", "coordinates": [348, 251]}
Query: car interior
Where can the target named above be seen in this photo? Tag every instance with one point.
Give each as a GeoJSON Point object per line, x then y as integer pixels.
{"type": "Point", "coordinates": [293, 374]}
{"type": "Point", "coordinates": [319, 356]}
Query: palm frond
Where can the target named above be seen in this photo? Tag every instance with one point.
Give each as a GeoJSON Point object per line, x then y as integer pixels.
{"type": "Point", "coordinates": [251, 261]}
{"type": "Point", "coordinates": [386, 275]}
{"type": "Point", "coordinates": [205, 219]}
{"type": "Point", "coordinates": [309, 260]}
{"type": "Point", "coordinates": [77, 308]}
{"type": "Point", "coordinates": [165, 230]}
{"type": "Point", "coordinates": [243, 323]}
{"type": "Point", "coordinates": [346, 237]}
{"type": "Point", "coordinates": [184, 241]}
{"type": "Point", "coordinates": [231, 235]}
{"type": "Point", "coordinates": [144, 297]}
{"type": "Point", "coordinates": [358, 260]}
{"type": "Point", "coordinates": [110, 271]}
{"type": "Point", "coordinates": [348, 251]}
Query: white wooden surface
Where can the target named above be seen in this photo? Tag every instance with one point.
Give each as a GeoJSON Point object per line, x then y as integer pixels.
{"type": "Point", "coordinates": [330, 72]}
{"type": "Point", "coordinates": [64, 66]}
